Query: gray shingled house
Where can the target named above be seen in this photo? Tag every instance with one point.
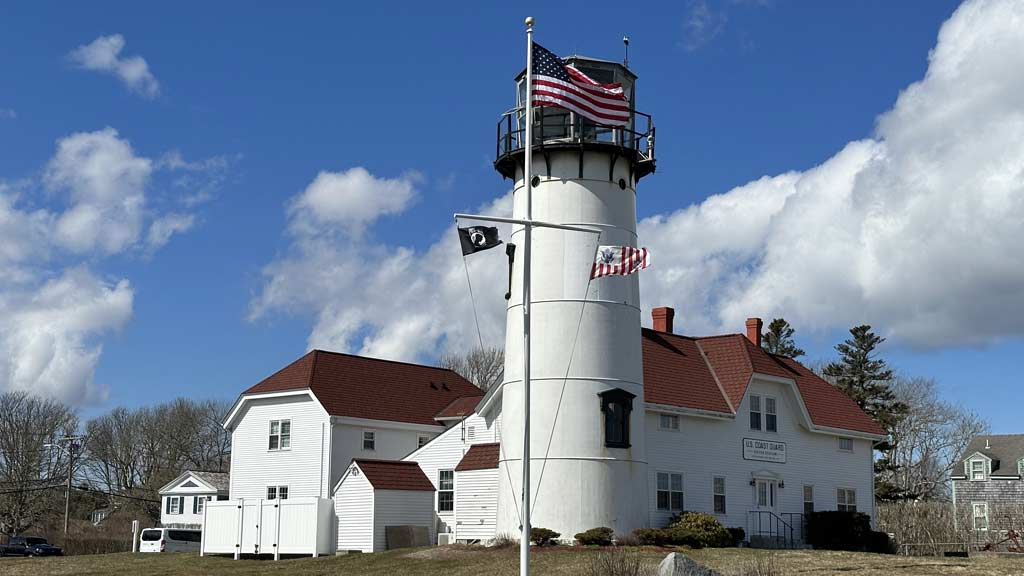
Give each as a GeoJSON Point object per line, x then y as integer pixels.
{"type": "Point", "coordinates": [988, 485]}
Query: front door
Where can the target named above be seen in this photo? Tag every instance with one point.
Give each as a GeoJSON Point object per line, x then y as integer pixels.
{"type": "Point", "coordinates": [764, 494]}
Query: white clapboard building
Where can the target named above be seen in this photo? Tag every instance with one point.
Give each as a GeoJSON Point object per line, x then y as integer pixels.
{"type": "Point", "coordinates": [629, 425]}
{"type": "Point", "coordinates": [183, 500]}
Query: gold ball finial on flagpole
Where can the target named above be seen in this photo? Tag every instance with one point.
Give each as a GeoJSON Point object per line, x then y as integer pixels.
{"type": "Point", "coordinates": [529, 21]}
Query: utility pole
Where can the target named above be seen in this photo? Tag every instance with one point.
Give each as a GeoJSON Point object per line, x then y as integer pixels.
{"type": "Point", "coordinates": [70, 451]}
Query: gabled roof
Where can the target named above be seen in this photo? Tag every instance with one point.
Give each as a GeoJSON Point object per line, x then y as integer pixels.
{"type": "Point", "coordinates": [394, 475]}
{"type": "Point", "coordinates": [216, 481]}
{"type": "Point", "coordinates": [711, 374]}
{"type": "Point", "coordinates": [1005, 450]}
{"type": "Point", "coordinates": [358, 387]}
{"type": "Point", "coordinates": [479, 457]}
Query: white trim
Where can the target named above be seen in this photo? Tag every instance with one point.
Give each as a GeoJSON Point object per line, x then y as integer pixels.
{"type": "Point", "coordinates": [242, 399]}
{"type": "Point", "coordinates": [389, 424]}
{"type": "Point", "coordinates": [839, 444]}
{"type": "Point", "coordinates": [724, 494]}
{"type": "Point", "coordinates": [179, 480]}
{"type": "Point", "coordinates": [373, 440]}
{"type": "Point", "coordinates": [681, 491]}
{"type": "Point", "coordinates": [654, 407]}
{"type": "Point", "coordinates": [974, 517]}
{"type": "Point", "coordinates": [673, 418]}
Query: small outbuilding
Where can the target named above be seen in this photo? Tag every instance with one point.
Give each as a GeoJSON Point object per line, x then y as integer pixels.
{"type": "Point", "coordinates": [182, 500]}
{"type": "Point", "coordinates": [476, 493]}
{"type": "Point", "coordinates": [382, 505]}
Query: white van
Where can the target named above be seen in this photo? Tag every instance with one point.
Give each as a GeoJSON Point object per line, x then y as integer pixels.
{"type": "Point", "coordinates": [170, 540]}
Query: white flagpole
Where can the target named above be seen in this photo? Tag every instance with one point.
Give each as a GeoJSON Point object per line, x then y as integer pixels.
{"type": "Point", "coordinates": [524, 540]}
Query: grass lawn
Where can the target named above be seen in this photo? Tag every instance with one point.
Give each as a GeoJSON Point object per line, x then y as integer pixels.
{"type": "Point", "coordinates": [465, 561]}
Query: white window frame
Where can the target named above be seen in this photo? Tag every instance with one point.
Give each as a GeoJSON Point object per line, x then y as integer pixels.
{"type": "Point", "coordinates": [441, 489]}
{"type": "Point", "coordinates": [421, 440]}
{"type": "Point", "coordinates": [843, 499]}
{"type": "Point", "coordinates": [670, 490]}
{"type": "Point", "coordinates": [808, 488]}
{"type": "Point", "coordinates": [983, 471]}
{"type": "Point", "coordinates": [284, 439]}
{"type": "Point", "coordinates": [756, 399]}
{"type": "Point", "coordinates": [774, 413]}
{"type": "Point", "coordinates": [841, 440]}
{"type": "Point", "coordinates": [199, 503]}
{"type": "Point", "coordinates": [974, 515]}
{"type": "Point", "coordinates": [716, 494]}
{"type": "Point", "coordinates": [668, 422]}
{"type": "Point", "coordinates": [280, 492]}
{"type": "Point", "coordinates": [176, 505]}
{"type": "Point", "coordinates": [372, 438]}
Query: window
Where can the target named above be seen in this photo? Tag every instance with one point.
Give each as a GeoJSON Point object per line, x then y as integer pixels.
{"type": "Point", "coordinates": [668, 422]}
{"type": "Point", "coordinates": [755, 412]}
{"type": "Point", "coordinates": [445, 490]}
{"type": "Point", "coordinates": [670, 491]}
{"type": "Point", "coordinates": [980, 514]}
{"type": "Point", "coordinates": [198, 503]}
{"type": "Point", "coordinates": [277, 492]}
{"type": "Point", "coordinates": [771, 419]}
{"type": "Point", "coordinates": [846, 500]}
{"type": "Point", "coordinates": [175, 504]}
{"type": "Point", "coordinates": [421, 440]}
{"type": "Point", "coordinates": [977, 469]}
{"type": "Point", "coordinates": [271, 492]}
{"type": "Point", "coordinates": [369, 439]}
{"type": "Point", "coordinates": [846, 444]}
{"type": "Point", "coordinates": [808, 499]}
{"type": "Point", "coordinates": [719, 489]}
{"type": "Point", "coordinates": [616, 405]}
{"type": "Point", "coordinates": [280, 435]}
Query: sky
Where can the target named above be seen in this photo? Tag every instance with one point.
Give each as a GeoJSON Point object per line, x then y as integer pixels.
{"type": "Point", "coordinates": [193, 195]}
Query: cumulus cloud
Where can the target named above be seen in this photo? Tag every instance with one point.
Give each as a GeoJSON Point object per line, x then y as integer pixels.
{"type": "Point", "coordinates": [103, 55]}
{"type": "Point", "coordinates": [915, 230]}
{"type": "Point", "coordinates": [351, 199]}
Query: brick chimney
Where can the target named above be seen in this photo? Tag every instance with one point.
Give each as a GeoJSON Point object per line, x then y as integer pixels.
{"type": "Point", "coordinates": [663, 318]}
{"type": "Point", "coordinates": [754, 326]}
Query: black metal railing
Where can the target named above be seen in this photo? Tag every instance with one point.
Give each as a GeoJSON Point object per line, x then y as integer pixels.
{"type": "Point", "coordinates": [799, 523]}
{"type": "Point", "coordinates": [558, 126]}
{"type": "Point", "coordinates": [765, 524]}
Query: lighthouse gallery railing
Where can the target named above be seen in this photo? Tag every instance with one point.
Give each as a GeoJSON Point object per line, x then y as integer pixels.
{"type": "Point", "coordinates": [556, 126]}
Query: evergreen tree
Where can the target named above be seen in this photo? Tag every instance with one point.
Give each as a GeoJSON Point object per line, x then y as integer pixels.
{"type": "Point", "coordinates": [865, 377]}
{"type": "Point", "coordinates": [779, 339]}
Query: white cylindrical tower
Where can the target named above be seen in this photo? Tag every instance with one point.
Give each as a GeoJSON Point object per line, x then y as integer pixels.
{"type": "Point", "coordinates": [588, 460]}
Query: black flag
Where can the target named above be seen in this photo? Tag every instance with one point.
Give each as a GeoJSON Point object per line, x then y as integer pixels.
{"type": "Point", "coordinates": [478, 238]}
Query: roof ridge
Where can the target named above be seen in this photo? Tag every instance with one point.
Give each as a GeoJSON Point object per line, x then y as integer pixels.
{"type": "Point", "coordinates": [384, 461]}
{"type": "Point", "coordinates": [374, 358]}
{"type": "Point", "coordinates": [714, 375]}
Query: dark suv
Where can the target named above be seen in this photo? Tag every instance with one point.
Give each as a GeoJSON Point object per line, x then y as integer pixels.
{"type": "Point", "coordinates": [29, 546]}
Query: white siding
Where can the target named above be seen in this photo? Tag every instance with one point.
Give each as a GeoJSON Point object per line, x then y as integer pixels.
{"type": "Point", "coordinates": [353, 505]}
{"type": "Point", "coordinates": [391, 444]}
{"type": "Point", "coordinates": [301, 468]}
{"type": "Point", "coordinates": [186, 518]}
{"type": "Point", "coordinates": [401, 508]}
{"type": "Point", "coordinates": [704, 448]}
{"type": "Point", "coordinates": [445, 452]}
{"type": "Point", "coordinates": [476, 504]}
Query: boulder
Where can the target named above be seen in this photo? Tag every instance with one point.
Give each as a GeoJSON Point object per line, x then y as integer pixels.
{"type": "Point", "coordinates": [676, 564]}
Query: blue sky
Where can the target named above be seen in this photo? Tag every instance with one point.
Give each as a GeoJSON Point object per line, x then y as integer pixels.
{"type": "Point", "coordinates": [242, 107]}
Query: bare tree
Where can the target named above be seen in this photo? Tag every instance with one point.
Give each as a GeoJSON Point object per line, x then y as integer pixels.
{"type": "Point", "coordinates": [30, 475]}
{"type": "Point", "coordinates": [926, 442]}
{"type": "Point", "coordinates": [484, 367]}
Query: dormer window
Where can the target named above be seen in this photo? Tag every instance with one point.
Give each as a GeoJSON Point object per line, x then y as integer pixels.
{"type": "Point", "coordinates": [617, 405]}
{"type": "Point", "coordinates": [977, 470]}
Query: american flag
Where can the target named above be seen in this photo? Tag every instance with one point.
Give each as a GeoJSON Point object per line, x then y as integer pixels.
{"type": "Point", "coordinates": [557, 84]}
{"type": "Point", "coordinates": [619, 261]}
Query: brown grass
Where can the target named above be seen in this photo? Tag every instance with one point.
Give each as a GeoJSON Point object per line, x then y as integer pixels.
{"type": "Point", "coordinates": [467, 561]}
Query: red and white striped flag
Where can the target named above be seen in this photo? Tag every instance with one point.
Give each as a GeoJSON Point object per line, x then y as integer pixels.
{"type": "Point", "coordinates": [619, 261]}
{"type": "Point", "coordinates": [557, 84]}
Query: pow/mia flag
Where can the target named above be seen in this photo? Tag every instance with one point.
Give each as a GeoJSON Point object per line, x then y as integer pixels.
{"type": "Point", "coordinates": [478, 238]}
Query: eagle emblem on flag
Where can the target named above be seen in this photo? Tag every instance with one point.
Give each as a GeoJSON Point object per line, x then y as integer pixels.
{"type": "Point", "coordinates": [619, 261]}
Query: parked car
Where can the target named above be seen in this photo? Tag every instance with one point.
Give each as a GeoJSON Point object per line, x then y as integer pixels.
{"type": "Point", "coordinates": [29, 546]}
{"type": "Point", "coordinates": [170, 540]}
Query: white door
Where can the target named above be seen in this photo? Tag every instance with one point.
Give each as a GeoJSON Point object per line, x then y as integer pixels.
{"type": "Point", "coordinates": [765, 494]}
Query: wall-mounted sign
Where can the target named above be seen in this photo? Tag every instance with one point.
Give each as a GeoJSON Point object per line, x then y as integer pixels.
{"type": "Point", "coordinates": [764, 450]}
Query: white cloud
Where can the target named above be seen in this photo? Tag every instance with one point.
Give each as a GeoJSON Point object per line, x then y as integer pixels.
{"type": "Point", "coordinates": [702, 24]}
{"type": "Point", "coordinates": [915, 230]}
{"type": "Point", "coordinates": [103, 55]}
{"type": "Point", "coordinates": [351, 199]}
{"type": "Point", "coordinates": [8, 114]}
{"type": "Point", "coordinates": [161, 230]}
{"type": "Point", "coordinates": [47, 338]}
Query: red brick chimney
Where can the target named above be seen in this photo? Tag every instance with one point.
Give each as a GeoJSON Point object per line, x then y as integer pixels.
{"type": "Point", "coordinates": [754, 326]}
{"type": "Point", "coordinates": [663, 318]}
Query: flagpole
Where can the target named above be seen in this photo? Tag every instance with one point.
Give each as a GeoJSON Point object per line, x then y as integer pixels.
{"type": "Point", "coordinates": [524, 540]}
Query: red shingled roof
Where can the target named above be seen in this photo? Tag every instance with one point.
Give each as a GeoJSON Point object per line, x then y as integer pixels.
{"type": "Point", "coordinates": [479, 457]}
{"type": "Point", "coordinates": [360, 387]}
{"type": "Point", "coordinates": [459, 407]}
{"type": "Point", "coordinates": [677, 374]}
{"type": "Point", "coordinates": [394, 475]}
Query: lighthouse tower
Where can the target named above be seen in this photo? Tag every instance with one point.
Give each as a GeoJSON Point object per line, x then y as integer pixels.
{"type": "Point", "coordinates": [587, 456]}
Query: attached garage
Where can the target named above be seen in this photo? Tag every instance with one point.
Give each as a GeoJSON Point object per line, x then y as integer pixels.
{"type": "Point", "coordinates": [378, 498]}
{"type": "Point", "coordinates": [476, 494]}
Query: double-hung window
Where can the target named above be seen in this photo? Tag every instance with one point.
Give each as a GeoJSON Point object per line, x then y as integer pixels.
{"type": "Point", "coordinates": [277, 492]}
{"type": "Point", "coordinates": [670, 491]}
{"type": "Point", "coordinates": [771, 418]}
{"type": "Point", "coordinates": [198, 503]}
{"type": "Point", "coordinates": [175, 504]}
{"type": "Point", "coordinates": [755, 412]}
{"type": "Point", "coordinates": [369, 439]}
{"type": "Point", "coordinates": [445, 490]}
{"type": "Point", "coordinates": [280, 435]}
{"type": "Point", "coordinates": [980, 515]}
{"type": "Point", "coordinates": [808, 498]}
{"type": "Point", "coordinates": [719, 491]}
{"type": "Point", "coordinates": [846, 500]}
{"type": "Point", "coordinates": [668, 422]}
{"type": "Point", "coordinates": [977, 469]}
{"type": "Point", "coordinates": [845, 444]}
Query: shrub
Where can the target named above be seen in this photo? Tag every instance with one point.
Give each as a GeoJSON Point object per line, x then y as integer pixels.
{"type": "Point", "coordinates": [682, 536]}
{"type": "Point", "coordinates": [596, 537]}
{"type": "Point", "coordinates": [833, 530]}
{"type": "Point", "coordinates": [706, 529]}
{"type": "Point", "coordinates": [738, 535]}
{"type": "Point", "coordinates": [761, 565]}
{"type": "Point", "coordinates": [879, 543]}
{"type": "Point", "coordinates": [504, 541]}
{"type": "Point", "coordinates": [618, 562]}
{"type": "Point", "coordinates": [651, 536]}
{"type": "Point", "coordinates": [543, 536]}
{"type": "Point", "coordinates": [630, 539]}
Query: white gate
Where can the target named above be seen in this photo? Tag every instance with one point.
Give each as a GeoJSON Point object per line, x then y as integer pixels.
{"type": "Point", "coordinates": [292, 526]}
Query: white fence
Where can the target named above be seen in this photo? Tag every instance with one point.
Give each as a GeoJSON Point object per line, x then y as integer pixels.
{"type": "Point", "coordinates": [292, 526]}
